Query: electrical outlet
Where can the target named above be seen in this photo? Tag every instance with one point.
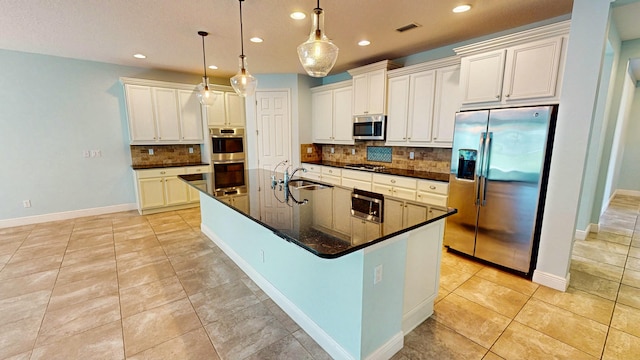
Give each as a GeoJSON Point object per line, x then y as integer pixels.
{"type": "Point", "coordinates": [309, 150]}
{"type": "Point", "coordinates": [377, 274]}
{"type": "Point", "coordinates": [190, 150]}
{"type": "Point", "coordinates": [333, 150]}
{"type": "Point", "coordinates": [353, 151]}
{"type": "Point", "coordinates": [26, 203]}
{"type": "Point", "coordinates": [150, 151]}
{"type": "Point", "coordinates": [411, 155]}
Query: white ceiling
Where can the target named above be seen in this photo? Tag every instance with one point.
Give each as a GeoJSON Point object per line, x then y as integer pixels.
{"type": "Point", "coordinates": [166, 30]}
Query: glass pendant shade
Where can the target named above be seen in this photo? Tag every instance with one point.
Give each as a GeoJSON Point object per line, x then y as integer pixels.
{"type": "Point", "coordinates": [318, 54]}
{"type": "Point", "coordinates": [244, 83]}
{"type": "Point", "coordinates": [205, 95]}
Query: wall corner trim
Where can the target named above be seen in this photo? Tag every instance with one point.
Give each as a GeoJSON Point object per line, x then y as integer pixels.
{"type": "Point", "coordinates": [550, 280]}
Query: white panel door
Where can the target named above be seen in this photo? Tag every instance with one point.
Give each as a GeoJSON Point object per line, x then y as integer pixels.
{"type": "Point", "coordinates": [273, 125]}
{"type": "Point", "coordinates": [142, 125]}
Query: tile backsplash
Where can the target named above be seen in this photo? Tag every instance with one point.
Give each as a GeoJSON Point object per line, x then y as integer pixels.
{"type": "Point", "coordinates": [425, 159]}
{"type": "Point", "coordinates": [164, 154]}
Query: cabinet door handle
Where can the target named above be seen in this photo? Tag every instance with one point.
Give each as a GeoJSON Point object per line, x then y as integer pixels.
{"type": "Point", "coordinates": [408, 138]}
{"type": "Point", "coordinates": [163, 172]}
{"type": "Point", "coordinates": [419, 195]}
{"type": "Point", "coordinates": [393, 181]}
{"type": "Point", "coordinates": [497, 96]}
{"type": "Point", "coordinates": [432, 187]}
{"type": "Point", "coordinates": [507, 95]}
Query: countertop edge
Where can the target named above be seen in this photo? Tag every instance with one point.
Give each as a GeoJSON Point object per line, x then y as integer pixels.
{"type": "Point", "coordinates": [422, 175]}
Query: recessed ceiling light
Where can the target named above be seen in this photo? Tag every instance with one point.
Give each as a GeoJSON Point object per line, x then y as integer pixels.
{"type": "Point", "coordinates": [256, 39]}
{"type": "Point", "coordinates": [213, 67]}
{"type": "Point", "coordinates": [364, 42]}
{"type": "Point", "coordinates": [139, 56]}
{"type": "Point", "coordinates": [298, 15]}
{"type": "Point", "coordinates": [461, 8]}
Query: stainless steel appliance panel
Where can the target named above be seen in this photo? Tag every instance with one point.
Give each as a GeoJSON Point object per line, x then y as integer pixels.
{"type": "Point", "coordinates": [371, 127]}
{"type": "Point", "coordinates": [227, 144]}
{"type": "Point", "coordinates": [515, 150]}
{"type": "Point", "coordinates": [465, 179]}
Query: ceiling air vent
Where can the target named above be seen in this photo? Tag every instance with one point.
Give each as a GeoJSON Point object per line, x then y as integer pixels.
{"type": "Point", "coordinates": [408, 27]}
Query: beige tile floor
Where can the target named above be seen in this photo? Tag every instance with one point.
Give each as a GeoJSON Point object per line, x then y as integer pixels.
{"type": "Point", "coordinates": [153, 287]}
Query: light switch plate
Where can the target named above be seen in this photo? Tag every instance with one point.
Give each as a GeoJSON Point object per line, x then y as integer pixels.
{"type": "Point", "coordinates": [150, 151]}
{"type": "Point", "coordinates": [309, 150]}
{"type": "Point", "coordinates": [411, 155]}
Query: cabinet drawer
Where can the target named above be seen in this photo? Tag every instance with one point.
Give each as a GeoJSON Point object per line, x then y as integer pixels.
{"type": "Point", "coordinates": [312, 168]}
{"type": "Point", "coordinates": [356, 184]}
{"type": "Point", "coordinates": [160, 172]}
{"type": "Point", "coordinates": [311, 175]}
{"type": "Point", "coordinates": [404, 193]}
{"type": "Point", "coordinates": [328, 170]}
{"type": "Point", "coordinates": [434, 187]}
{"type": "Point", "coordinates": [334, 180]}
{"type": "Point", "coordinates": [431, 199]}
{"type": "Point", "coordinates": [356, 175]}
{"type": "Point", "coordinates": [395, 181]}
{"type": "Point", "coordinates": [196, 169]}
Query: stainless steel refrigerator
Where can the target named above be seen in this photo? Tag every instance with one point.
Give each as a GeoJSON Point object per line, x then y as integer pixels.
{"type": "Point", "coordinates": [498, 178]}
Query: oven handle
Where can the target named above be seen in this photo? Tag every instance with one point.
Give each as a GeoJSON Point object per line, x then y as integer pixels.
{"type": "Point", "coordinates": [218, 162]}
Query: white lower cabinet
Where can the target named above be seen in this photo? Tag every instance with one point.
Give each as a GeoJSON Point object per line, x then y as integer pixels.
{"type": "Point", "coordinates": [401, 214]}
{"type": "Point", "coordinates": [333, 212]}
{"type": "Point", "coordinates": [396, 186]}
{"type": "Point", "coordinates": [240, 202]}
{"type": "Point", "coordinates": [161, 190]}
{"type": "Point", "coordinates": [363, 231]}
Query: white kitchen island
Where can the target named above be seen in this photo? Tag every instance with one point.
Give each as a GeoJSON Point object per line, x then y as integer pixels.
{"type": "Point", "coordinates": [356, 301]}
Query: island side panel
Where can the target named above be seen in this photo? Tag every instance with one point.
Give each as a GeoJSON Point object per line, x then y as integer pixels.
{"type": "Point", "coordinates": [382, 334]}
{"type": "Point", "coordinates": [422, 277]}
{"type": "Point", "coordinates": [327, 291]}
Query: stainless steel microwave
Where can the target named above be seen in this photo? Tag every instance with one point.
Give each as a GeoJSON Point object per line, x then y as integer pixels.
{"type": "Point", "coordinates": [369, 127]}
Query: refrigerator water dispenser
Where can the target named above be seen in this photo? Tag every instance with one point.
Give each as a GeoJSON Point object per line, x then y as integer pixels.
{"type": "Point", "coordinates": [466, 164]}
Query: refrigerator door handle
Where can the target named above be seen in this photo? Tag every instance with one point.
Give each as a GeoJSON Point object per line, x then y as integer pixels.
{"type": "Point", "coordinates": [486, 158]}
{"type": "Point", "coordinates": [480, 167]}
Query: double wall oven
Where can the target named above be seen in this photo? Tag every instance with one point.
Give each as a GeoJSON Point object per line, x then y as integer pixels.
{"type": "Point", "coordinates": [228, 160]}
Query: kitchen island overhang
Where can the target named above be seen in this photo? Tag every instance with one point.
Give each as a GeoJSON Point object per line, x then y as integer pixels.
{"type": "Point", "coordinates": [356, 302]}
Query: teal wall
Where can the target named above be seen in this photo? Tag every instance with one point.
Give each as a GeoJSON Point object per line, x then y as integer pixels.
{"type": "Point", "coordinates": [52, 109]}
{"type": "Point", "coordinates": [630, 168]}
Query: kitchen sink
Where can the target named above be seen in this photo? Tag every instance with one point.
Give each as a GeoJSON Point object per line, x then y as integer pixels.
{"type": "Point", "coordinates": [300, 184]}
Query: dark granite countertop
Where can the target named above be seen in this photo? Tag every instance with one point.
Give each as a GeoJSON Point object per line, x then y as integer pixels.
{"type": "Point", "coordinates": [161, 166]}
{"type": "Point", "coordinates": [425, 175]}
{"type": "Point", "coordinates": [297, 215]}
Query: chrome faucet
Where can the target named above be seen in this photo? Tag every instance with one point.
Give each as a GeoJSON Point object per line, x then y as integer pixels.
{"type": "Point", "coordinates": [288, 177]}
{"type": "Point", "coordinates": [274, 181]}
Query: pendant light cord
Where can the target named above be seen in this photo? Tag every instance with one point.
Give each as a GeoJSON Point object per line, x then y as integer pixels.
{"type": "Point", "coordinates": [204, 58]}
{"type": "Point", "coordinates": [241, 33]}
{"type": "Point", "coordinates": [317, 11]}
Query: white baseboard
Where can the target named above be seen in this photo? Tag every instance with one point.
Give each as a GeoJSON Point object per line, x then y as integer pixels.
{"type": "Point", "coordinates": [307, 324]}
{"type": "Point", "coordinates": [65, 215]}
{"type": "Point", "coordinates": [417, 315]}
{"type": "Point", "coordinates": [582, 234]}
{"type": "Point", "coordinates": [550, 280]}
{"type": "Point", "coordinates": [626, 192]}
{"type": "Point", "coordinates": [389, 349]}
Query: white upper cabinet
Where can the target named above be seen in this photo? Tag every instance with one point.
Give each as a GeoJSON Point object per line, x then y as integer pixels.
{"type": "Point", "coordinates": [190, 115]}
{"type": "Point", "coordinates": [447, 102]}
{"type": "Point", "coordinates": [227, 110]}
{"type": "Point", "coordinates": [519, 69]}
{"type": "Point", "coordinates": [423, 100]}
{"type": "Point", "coordinates": [482, 77]}
{"type": "Point", "coordinates": [162, 113]}
{"type": "Point", "coordinates": [370, 88]}
{"type": "Point", "coordinates": [331, 114]}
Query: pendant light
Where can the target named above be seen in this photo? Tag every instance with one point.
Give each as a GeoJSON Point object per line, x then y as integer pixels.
{"type": "Point", "coordinates": [205, 96]}
{"type": "Point", "coordinates": [243, 83]}
{"type": "Point", "coordinates": [318, 54]}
